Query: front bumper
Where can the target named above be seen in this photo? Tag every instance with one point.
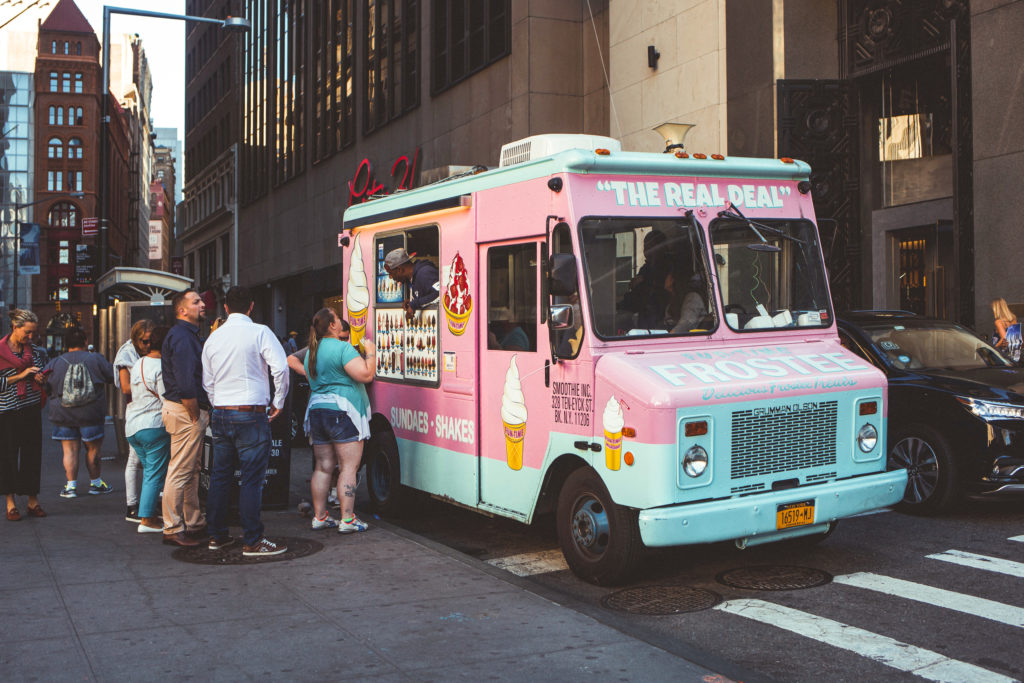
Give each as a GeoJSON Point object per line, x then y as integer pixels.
{"type": "Point", "coordinates": [753, 517]}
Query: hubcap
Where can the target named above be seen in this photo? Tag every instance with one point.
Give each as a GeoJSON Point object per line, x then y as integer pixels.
{"type": "Point", "coordinates": [922, 465]}
{"type": "Point", "coordinates": [590, 530]}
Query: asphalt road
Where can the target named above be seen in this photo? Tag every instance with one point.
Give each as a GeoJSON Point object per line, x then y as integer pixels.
{"type": "Point", "coordinates": [889, 596]}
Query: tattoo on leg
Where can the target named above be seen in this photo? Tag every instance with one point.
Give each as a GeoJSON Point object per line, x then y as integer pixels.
{"type": "Point", "coordinates": [350, 491]}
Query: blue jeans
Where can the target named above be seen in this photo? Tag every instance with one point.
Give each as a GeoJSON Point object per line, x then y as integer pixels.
{"type": "Point", "coordinates": [241, 439]}
{"type": "Point", "coordinates": [153, 446]}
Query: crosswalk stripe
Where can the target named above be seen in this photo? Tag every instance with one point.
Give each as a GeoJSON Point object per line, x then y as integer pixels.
{"type": "Point", "coordinates": [528, 564]}
{"type": "Point", "coordinates": [992, 564]}
{"type": "Point", "coordinates": [898, 655]}
{"type": "Point", "coordinates": [968, 604]}
{"type": "Point", "coordinates": [1019, 539]}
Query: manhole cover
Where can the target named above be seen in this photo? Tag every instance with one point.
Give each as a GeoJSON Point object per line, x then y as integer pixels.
{"type": "Point", "coordinates": [774, 578]}
{"type": "Point", "coordinates": [297, 547]}
{"type": "Point", "coordinates": [661, 600]}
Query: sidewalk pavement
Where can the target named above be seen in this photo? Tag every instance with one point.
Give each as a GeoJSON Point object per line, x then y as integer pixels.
{"type": "Point", "coordinates": [85, 597]}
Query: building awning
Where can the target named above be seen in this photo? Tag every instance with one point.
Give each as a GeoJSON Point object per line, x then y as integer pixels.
{"type": "Point", "coordinates": [141, 284]}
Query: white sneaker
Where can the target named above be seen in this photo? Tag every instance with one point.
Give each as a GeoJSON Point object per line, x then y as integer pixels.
{"type": "Point", "coordinates": [326, 523]}
{"type": "Point", "coordinates": [332, 498]}
{"type": "Point", "coordinates": [351, 527]}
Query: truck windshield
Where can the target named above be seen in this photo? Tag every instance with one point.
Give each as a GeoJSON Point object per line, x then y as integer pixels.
{"type": "Point", "coordinates": [646, 277]}
{"type": "Point", "coordinates": [770, 273]}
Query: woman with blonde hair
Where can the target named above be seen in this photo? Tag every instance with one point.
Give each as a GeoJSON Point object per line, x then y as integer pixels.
{"type": "Point", "coordinates": [21, 428]}
{"type": "Point", "coordinates": [1008, 334]}
{"type": "Point", "coordinates": [337, 416]}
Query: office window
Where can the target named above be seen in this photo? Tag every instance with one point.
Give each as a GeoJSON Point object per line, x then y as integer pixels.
{"type": "Point", "coordinates": [54, 181]}
{"type": "Point", "coordinates": [74, 181]}
{"type": "Point", "coordinates": [67, 49]}
{"type": "Point", "coordinates": [53, 47]}
{"type": "Point", "coordinates": [64, 253]}
{"type": "Point", "coordinates": [56, 116]}
{"type": "Point", "coordinates": [66, 81]}
{"type": "Point", "coordinates": [78, 48]}
{"type": "Point", "coordinates": [75, 148]}
{"type": "Point", "coordinates": [333, 96]}
{"type": "Point", "coordinates": [53, 81]}
{"type": "Point", "coordinates": [64, 215]}
{"type": "Point", "coordinates": [467, 36]}
{"type": "Point", "coordinates": [290, 77]}
{"type": "Point", "coordinates": [54, 148]}
{"type": "Point", "coordinates": [391, 76]}
{"type": "Point", "coordinates": [256, 107]}
{"type": "Point", "coordinates": [78, 83]}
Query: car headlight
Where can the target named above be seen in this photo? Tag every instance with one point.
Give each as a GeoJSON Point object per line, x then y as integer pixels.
{"type": "Point", "coordinates": [695, 461]}
{"type": "Point", "coordinates": [992, 410]}
{"type": "Point", "coordinates": [867, 438]}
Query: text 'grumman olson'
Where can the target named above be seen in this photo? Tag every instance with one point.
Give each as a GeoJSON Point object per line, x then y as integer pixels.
{"type": "Point", "coordinates": [643, 344]}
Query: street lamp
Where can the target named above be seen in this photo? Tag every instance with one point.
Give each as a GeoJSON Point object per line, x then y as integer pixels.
{"type": "Point", "coordinates": [18, 208]}
{"type": "Point", "coordinates": [232, 24]}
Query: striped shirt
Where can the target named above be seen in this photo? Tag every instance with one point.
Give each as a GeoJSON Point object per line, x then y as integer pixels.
{"type": "Point", "coordinates": [9, 399]}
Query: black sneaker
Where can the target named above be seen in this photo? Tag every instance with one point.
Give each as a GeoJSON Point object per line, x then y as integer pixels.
{"type": "Point", "coordinates": [132, 514]}
{"type": "Point", "coordinates": [263, 548]}
{"type": "Point", "coordinates": [221, 543]}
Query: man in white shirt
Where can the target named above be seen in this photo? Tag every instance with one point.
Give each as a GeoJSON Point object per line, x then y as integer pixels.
{"type": "Point", "coordinates": [236, 359]}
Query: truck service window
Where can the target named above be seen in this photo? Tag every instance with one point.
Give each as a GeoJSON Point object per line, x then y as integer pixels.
{"type": "Point", "coordinates": [407, 348]}
{"type": "Point", "coordinates": [512, 297]}
{"type": "Point", "coordinates": [647, 277]}
{"type": "Point", "coordinates": [770, 273]}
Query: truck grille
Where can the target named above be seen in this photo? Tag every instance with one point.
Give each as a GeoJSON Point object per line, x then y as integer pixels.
{"type": "Point", "coordinates": [765, 442]}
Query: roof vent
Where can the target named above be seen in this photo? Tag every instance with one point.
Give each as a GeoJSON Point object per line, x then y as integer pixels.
{"type": "Point", "coordinates": [540, 146]}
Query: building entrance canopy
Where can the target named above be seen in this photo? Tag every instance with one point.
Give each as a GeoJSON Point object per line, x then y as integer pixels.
{"type": "Point", "coordinates": [141, 284]}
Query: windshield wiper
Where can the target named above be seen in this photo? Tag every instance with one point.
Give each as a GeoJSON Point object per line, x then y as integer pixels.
{"type": "Point", "coordinates": [733, 212]}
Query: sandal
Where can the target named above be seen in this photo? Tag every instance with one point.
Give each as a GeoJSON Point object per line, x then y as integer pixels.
{"type": "Point", "coordinates": [13, 515]}
{"type": "Point", "coordinates": [36, 511]}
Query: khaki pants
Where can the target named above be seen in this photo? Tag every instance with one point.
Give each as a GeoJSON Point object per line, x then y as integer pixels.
{"type": "Point", "coordinates": [181, 488]}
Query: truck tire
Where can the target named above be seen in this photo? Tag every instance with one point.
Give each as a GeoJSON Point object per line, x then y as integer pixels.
{"type": "Point", "coordinates": [384, 473]}
{"type": "Point", "coordinates": [600, 539]}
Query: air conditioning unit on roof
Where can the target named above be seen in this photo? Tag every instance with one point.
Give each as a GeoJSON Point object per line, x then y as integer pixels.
{"type": "Point", "coordinates": [540, 146]}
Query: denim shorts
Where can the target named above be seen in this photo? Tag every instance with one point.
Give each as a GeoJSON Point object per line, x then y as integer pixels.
{"type": "Point", "coordinates": [331, 426]}
{"type": "Point", "coordinates": [86, 433]}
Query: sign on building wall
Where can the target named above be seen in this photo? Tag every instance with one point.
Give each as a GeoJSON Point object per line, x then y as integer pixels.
{"type": "Point", "coordinates": [86, 265]}
{"type": "Point", "coordinates": [156, 248]}
{"type": "Point", "coordinates": [90, 227]}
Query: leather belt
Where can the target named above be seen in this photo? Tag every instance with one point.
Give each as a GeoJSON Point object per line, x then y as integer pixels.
{"type": "Point", "coordinates": [243, 409]}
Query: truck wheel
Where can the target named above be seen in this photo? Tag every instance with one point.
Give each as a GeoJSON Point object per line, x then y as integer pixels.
{"type": "Point", "coordinates": [383, 473]}
{"type": "Point", "coordinates": [600, 540]}
{"type": "Point", "coordinates": [932, 484]}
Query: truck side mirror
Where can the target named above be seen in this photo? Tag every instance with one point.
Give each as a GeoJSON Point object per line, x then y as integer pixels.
{"type": "Point", "coordinates": [561, 316]}
{"type": "Point", "coordinates": [563, 275]}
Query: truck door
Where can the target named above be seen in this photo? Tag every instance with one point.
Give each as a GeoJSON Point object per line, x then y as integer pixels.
{"type": "Point", "coordinates": [514, 351]}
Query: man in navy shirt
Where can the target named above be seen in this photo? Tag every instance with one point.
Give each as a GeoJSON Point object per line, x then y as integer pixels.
{"type": "Point", "coordinates": [421, 276]}
{"type": "Point", "coordinates": [186, 414]}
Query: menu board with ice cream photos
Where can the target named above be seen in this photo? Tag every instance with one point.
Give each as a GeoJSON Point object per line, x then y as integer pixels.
{"type": "Point", "coordinates": [407, 350]}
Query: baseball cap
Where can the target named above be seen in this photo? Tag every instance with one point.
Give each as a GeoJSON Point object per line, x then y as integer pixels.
{"type": "Point", "coordinates": [397, 257]}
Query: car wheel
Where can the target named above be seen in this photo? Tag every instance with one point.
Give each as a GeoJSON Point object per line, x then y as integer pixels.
{"type": "Point", "coordinates": [932, 484]}
{"type": "Point", "coordinates": [384, 473]}
{"type": "Point", "coordinates": [600, 540]}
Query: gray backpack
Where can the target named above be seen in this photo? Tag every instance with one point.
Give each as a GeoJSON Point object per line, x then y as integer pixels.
{"type": "Point", "coordinates": [78, 389]}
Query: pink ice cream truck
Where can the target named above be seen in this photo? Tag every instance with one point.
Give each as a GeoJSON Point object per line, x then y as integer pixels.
{"type": "Point", "coordinates": [643, 344]}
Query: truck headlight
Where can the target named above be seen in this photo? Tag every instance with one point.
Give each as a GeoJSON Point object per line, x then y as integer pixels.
{"type": "Point", "coordinates": [695, 461]}
{"type": "Point", "coordinates": [867, 438]}
{"type": "Point", "coordinates": [991, 410]}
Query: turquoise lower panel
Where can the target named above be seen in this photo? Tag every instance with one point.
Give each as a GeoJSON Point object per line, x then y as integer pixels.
{"type": "Point", "coordinates": [439, 471]}
{"type": "Point", "coordinates": [725, 520]}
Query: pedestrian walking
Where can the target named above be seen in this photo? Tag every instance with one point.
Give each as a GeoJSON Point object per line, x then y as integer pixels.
{"type": "Point", "coordinates": [144, 429]}
{"type": "Point", "coordinates": [78, 409]}
{"type": "Point", "coordinates": [186, 415]}
{"type": "Point", "coordinates": [1008, 334]}
{"type": "Point", "coordinates": [236, 360]}
{"type": "Point", "coordinates": [337, 416]}
{"type": "Point", "coordinates": [138, 344]}
{"type": "Point", "coordinates": [289, 343]}
{"type": "Point", "coordinates": [21, 398]}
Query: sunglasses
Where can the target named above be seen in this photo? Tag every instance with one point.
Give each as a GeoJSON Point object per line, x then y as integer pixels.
{"type": "Point", "coordinates": [145, 340]}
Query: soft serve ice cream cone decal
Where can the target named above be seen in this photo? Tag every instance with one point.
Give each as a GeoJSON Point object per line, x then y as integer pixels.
{"type": "Point", "coordinates": [613, 422]}
{"type": "Point", "coordinates": [457, 301]}
{"type": "Point", "coordinates": [357, 299]}
{"type": "Point", "coordinates": [513, 416]}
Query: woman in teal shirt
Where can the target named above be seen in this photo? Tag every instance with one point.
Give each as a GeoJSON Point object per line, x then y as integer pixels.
{"type": "Point", "coordinates": [337, 417]}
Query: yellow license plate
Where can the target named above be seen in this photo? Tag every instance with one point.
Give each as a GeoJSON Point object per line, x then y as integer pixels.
{"type": "Point", "coordinates": [794, 514]}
